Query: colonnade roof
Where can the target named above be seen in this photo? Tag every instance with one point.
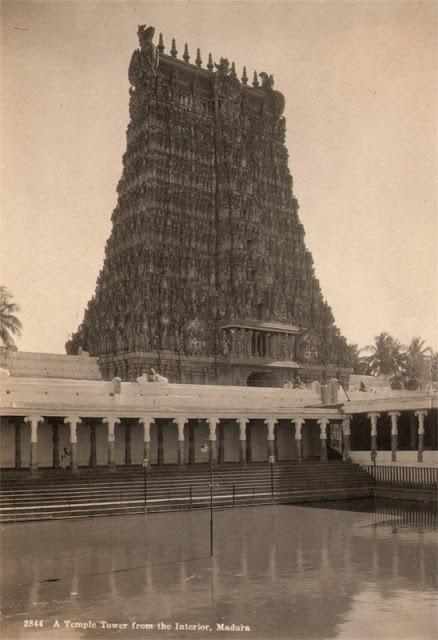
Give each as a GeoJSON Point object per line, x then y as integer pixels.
{"type": "Point", "coordinates": [92, 397]}
{"type": "Point", "coordinates": [96, 398]}
{"type": "Point", "coordinates": [383, 399]}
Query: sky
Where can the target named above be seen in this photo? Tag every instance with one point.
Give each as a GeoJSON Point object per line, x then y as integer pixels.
{"type": "Point", "coordinates": [360, 82]}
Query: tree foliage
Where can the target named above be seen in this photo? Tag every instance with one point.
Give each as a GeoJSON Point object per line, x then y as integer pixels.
{"type": "Point", "coordinates": [10, 325]}
{"type": "Point", "coordinates": [385, 356]}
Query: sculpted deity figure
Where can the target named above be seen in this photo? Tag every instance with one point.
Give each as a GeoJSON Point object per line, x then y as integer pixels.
{"type": "Point", "coordinates": [223, 68]}
{"type": "Point", "coordinates": [276, 98]}
{"type": "Point", "coordinates": [145, 35]}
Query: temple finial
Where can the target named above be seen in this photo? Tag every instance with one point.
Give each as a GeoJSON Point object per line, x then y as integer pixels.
{"type": "Point", "coordinates": [186, 56]}
{"type": "Point", "coordinates": [255, 82]}
{"type": "Point", "coordinates": [210, 65]}
{"type": "Point", "coordinates": [233, 70]}
{"type": "Point", "coordinates": [160, 46]}
{"type": "Point", "coordinates": [244, 76]}
{"type": "Point", "coordinates": [173, 51]}
{"type": "Point", "coordinates": [198, 60]}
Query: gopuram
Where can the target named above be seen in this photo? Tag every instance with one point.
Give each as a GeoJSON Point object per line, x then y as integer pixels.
{"type": "Point", "coordinates": [206, 275]}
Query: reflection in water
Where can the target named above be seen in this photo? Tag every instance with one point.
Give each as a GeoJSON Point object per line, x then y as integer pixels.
{"type": "Point", "coordinates": [340, 570]}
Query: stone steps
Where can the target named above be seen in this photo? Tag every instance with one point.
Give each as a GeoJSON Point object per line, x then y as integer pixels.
{"type": "Point", "coordinates": [60, 495]}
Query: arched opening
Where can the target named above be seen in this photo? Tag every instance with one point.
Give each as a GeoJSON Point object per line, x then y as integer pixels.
{"type": "Point", "coordinates": [262, 379]}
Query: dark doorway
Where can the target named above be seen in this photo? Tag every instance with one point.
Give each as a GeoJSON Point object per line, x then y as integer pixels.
{"type": "Point", "coordinates": [262, 379]}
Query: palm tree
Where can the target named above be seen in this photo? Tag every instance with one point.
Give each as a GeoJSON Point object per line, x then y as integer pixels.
{"type": "Point", "coordinates": [9, 323]}
{"type": "Point", "coordinates": [353, 356]}
{"type": "Point", "coordinates": [385, 357]}
{"type": "Point", "coordinates": [418, 357]}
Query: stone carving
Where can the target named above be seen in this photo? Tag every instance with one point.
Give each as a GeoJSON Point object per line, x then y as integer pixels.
{"type": "Point", "coordinates": [206, 225]}
{"type": "Point", "coordinates": [145, 35]}
{"type": "Point", "coordinates": [277, 101]}
{"type": "Point", "coordinates": [153, 376]}
{"type": "Point", "coordinates": [223, 68]}
{"type": "Point", "coordinates": [267, 81]}
{"type": "Point", "coordinates": [195, 338]}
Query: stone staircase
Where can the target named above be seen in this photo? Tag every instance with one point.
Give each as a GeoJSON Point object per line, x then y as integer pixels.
{"type": "Point", "coordinates": [58, 494]}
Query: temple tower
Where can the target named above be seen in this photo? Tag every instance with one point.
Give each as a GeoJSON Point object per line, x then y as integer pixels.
{"type": "Point", "coordinates": [206, 274]}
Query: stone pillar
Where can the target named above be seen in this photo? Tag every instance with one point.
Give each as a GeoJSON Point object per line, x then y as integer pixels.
{"type": "Point", "coordinates": [160, 444]}
{"type": "Point", "coordinates": [93, 457]}
{"type": "Point", "coordinates": [111, 425]}
{"type": "Point", "coordinates": [212, 422]}
{"type": "Point", "coordinates": [346, 438]}
{"type": "Point", "coordinates": [248, 452]}
{"type": "Point", "coordinates": [146, 421]}
{"type": "Point", "coordinates": [127, 444]}
{"type": "Point", "coordinates": [323, 437]}
{"type": "Point", "coordinates": [412, 431]}
{"type": "Point", "coordinates": [271, 436]}
{"type": "Point", "coordinates": [55, 443]}
{"type": "Point", "coordinates": [17, 426]}
{"type": "Point", "coordinates": [420, 415]}
{"type": "Point", "coordinates": [180, 424]}
{"type": "Point", "coordinates": [373, 416]}
{"type": "Point", "coordinates": [192, 457]}
{"type": "Point", "coordinates": [299, 422]}
{"type": "Point", "coordinates": [276, 442]}
{"type": "Point", "coordinates": [34, 422]}
{"type": "Point", "coordinates": [269, 345]}
{"type": "Point", "coordinates": [394, 432]}
{"type": "Point", "coordinates": [73, 422]}
{"type": "Point", "coordinates": [242, 439]}
{"type": "Point", "coordinates": [221, 444]}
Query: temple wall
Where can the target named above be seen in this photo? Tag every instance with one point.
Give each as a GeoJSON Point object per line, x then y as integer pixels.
{"type": "Point", "coordinates": [83, 444]}
{"type": "Point", "coordinates": [25, 444]}
{"type": "Point", "coordinates": [137, 444]}
{"type": "Point", "coordinates": [258, 441]}
{"type": "Point", "coordinates": [170, 443]}
{"type": "Point", "coordinates": [7, 444]}
{"type": "Point", "coordinates": [311, 440]}
{"type": "Point", "coordinates": [231, 443]}
{"type": "Point", "coordinates": [286, 442]}
{"type": "Point", "coordinates": [101, 445]}
{"type": "Point", "coordinates": [45, 445]}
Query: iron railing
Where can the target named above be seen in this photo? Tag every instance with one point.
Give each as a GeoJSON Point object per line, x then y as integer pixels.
{"type": "Point", "coordinates": [398, 475]}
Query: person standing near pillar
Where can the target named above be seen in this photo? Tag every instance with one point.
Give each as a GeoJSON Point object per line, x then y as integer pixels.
{"type": "Point", "coordinates": [73, 422]}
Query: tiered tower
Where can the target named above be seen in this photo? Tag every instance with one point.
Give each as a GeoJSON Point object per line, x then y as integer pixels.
{"type": "Point", "coordinates": [206, 275]}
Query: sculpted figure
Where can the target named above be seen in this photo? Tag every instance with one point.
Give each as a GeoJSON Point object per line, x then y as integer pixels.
{"type": "Point", "coordinates": [277, 98]}
{"type": "Point", "coordinates": [267, 81]}
{"type": "Point", "coordinates": [223, 68]}
{"type": "Point", "coordinates": [145, 35]}
{"type": "Point", "coordinates": [155, 377]}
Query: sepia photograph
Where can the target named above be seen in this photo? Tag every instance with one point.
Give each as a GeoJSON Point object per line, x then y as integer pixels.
{"type": "Point", "coordinates": [219, 320]}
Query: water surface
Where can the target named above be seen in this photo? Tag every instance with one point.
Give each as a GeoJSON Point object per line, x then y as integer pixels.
{"type": "Point", "coordinates": [321, 571]}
